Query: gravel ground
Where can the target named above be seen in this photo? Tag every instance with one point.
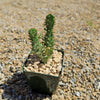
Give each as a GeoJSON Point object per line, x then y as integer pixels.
{"type": "Point", "coordinates": [77, 31]}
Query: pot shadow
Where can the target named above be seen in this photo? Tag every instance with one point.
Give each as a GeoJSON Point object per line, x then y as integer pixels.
{"type": "Point", "coordinates": [17, 88]}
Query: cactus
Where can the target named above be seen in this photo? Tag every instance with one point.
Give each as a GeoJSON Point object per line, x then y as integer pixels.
{"type": "Point", "coordinates": [45, 49]}
{"type": "Point", "coordinates": [49, 38]}
{"type": "Point", "coordinates": [37, 46]}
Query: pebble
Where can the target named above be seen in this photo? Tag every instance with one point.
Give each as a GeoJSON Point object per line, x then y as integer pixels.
{"type": "Point", "coordinates": [61, 84]}
{"type": "Point", "coordinates": [35, 66]}
{"type": "Point", "coordinates": [58, 68]}
{"type": "Point", "coordinates": [98, 85]}
{"type": "Point", "coordinates": [98, 97]}
{"type": "Point", "coordinates": [78, 94]}
{"type": "Point", "coordinates": [12, 69]}
{"type": "Point", "coordinates": [47, 71]}
{"type": "Point", "coordinates": [19, 97]}
{"type": "Point", "coordinates": [1, 76]}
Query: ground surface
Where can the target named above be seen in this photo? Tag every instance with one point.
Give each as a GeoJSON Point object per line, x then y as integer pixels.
{"type": "Point", "coordinates": [77, 31]}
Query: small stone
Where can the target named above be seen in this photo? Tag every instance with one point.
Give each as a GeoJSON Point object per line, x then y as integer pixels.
{"type": "Point", "coordinates": [50, 60]}
{"type": "Point", "coordinates": [61, 97]}
{"type": "Point", "coordinates": [29, 65]}
{"type": "Point", "coordinates": [54, 97]}
{"type": "Point", "coordinates": [5, 96]}
{"type": "Point", "coordinates": [26, 69]}
{"type": "Point", "coordinates": [43, 67]}
{"type": "Point", "coordinates": [61, 92]}
{"type": "Point", "coordinates": [1, 91]}
{"type": "Point", "coordinates": [98, 86]}
{"type": "Point", "coordinates": [71, 82]}
{"type": "Point", "coordinates": [47, 71]}
{"type": "Point", "coordinates": [12, 69]}
{"type": "Point", "coordinates": [54, 70]}
{"type": "Point", "coordinates": [78, 94]}
{"type": "Point", "coordinates": [19, 97]}
{"type": "Point", "coordinates": [58, 68]}
{"type": "Point", "coordinates": [52, 74]}
{"type": "Point", "coordinates": [1, 75]}
{"type": "Point", "coordinates": [88, 97]}
{"type": "Point", "coordinates": [0, 97]}
{"type": "Point", "coordinates": [94, 94]}
{"type": "Point", "coordinates": [46, 98]}
{"type": "Point", "coordinates": [61, 84]}
{"type": "Point", "coordinates": [67, 84]}
{"type": "Point", "coordinates": [56, 60]}
{"type": "Point", "coordinates": [36, 63]}
{"type": "Point", "coordinates": [48, 63]}
{"type": "Point", "coordinates": [99, 97]}
{"type": "Point", "coordinates": [36, 67]}
{"type": "Point", "coordinates": [74, 79]}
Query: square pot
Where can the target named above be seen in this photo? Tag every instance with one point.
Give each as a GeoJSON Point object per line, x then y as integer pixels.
{"type": "Point", "coordinates": [43, 83]}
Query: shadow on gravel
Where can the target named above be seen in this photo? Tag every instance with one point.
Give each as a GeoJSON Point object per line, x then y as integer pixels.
{"type": "Point", "coordinates": [17, 88]}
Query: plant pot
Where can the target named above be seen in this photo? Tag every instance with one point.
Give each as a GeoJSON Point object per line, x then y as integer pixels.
{"type": "Point", "coordinates": [43, 83]}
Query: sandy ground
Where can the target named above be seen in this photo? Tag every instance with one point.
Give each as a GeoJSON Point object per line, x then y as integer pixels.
{"type": "Point", "coordinates": [77, 31]}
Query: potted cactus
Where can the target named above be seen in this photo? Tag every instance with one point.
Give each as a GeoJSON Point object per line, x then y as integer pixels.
{"type": "Point", "coordinates": [44, 65]}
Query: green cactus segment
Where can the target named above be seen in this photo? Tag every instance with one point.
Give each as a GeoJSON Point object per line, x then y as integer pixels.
{"type": "Point", "coordinates": [49, 22]}
{"type": "Point", "coordinates": [49, 38]}
{"type": "Point", "coordinates": [45, 49]}
{"type": "Point", "coordinates": [46, 55]}
{"type": "Point", "coordinates": [36, 44]}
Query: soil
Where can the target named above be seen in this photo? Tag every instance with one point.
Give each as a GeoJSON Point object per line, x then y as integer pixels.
{"type": "Point", "coordinates": [52, 67]}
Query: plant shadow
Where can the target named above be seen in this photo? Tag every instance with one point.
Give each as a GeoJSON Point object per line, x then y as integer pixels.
{"type": "Point", "coordinates": [17, 88]}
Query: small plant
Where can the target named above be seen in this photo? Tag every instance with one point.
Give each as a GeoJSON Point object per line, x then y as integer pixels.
{"type": "Point", "coordinates": [43, 49]}
{"type": "Point", "coordinates": [89, 23]}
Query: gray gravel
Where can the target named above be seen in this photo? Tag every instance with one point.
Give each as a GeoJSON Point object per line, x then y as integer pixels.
{"type": "Point", "coordinates": [77, 31]}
